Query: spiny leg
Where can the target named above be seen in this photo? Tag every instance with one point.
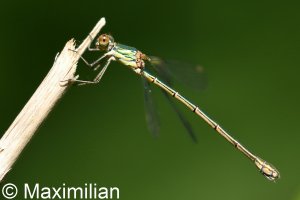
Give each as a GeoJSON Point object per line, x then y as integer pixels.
{"type": "Point", "coordinates": [93, 63]}
{"type": "Point", "coordinates": [98, 77]}
{"type": "Point", "coordinates": [83, 82]}
{"type": "Point", "coordinates": [89, 47]}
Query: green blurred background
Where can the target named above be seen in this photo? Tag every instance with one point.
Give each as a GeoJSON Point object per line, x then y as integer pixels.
{"type": "Point", "coordinates": [98, 134]}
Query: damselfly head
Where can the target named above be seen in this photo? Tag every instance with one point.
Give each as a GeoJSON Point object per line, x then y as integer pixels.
{"type": "Point", "coordinates": [105, 42]}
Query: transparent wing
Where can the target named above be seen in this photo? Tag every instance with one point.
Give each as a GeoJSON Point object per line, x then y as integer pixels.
{"type": "Point", "coordinates": [182, 118]}
{"type": "Point", "coordinates": [150, 111]}
{"type": "Point", "coordinates": [152, 117]}
{"type": "Point", "coordinates": [191, 75]}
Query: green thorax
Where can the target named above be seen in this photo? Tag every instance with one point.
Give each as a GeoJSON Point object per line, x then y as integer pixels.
{"type": "Point", "coordinates": [125, 54]}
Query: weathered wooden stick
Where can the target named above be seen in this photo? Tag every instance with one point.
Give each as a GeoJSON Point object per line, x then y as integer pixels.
{"type": "Point", "coordinates": [42, 102]}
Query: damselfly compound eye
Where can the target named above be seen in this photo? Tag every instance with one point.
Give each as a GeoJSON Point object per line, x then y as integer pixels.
{"type": "Point", "coordinates": [103, 42]}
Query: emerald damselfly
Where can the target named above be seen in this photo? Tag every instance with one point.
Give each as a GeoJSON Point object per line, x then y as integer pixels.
{"type": "Point", "coordinates": [136, 61]}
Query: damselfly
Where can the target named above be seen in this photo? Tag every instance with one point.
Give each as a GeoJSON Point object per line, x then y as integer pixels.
{"type": "Point", "coordinates": [136, 61]}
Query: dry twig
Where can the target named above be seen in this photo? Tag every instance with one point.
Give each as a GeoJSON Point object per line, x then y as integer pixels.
{"type": "Point", "coordinates": [42, 102]}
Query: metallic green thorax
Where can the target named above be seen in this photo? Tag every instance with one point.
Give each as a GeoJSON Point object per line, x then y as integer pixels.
{"type": "Point", "coordinates": [125, 54]}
